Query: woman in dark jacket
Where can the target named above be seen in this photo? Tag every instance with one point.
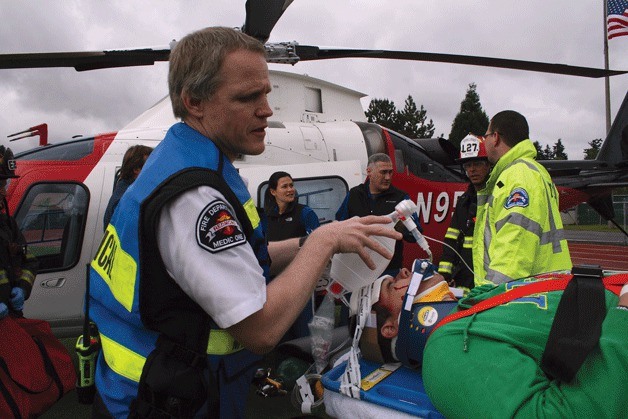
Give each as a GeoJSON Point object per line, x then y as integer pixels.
{"type": "Point", "coordinates": [285, 218]}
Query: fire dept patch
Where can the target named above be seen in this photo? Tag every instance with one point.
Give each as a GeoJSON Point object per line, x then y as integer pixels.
{"type": "Point", "coordinates": [217, 229]}
{"type": "Point", "coordinates": [517, 198]}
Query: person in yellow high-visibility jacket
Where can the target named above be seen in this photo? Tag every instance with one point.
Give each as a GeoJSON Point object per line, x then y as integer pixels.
{"type": "Point", "coordinates": [518, 231]}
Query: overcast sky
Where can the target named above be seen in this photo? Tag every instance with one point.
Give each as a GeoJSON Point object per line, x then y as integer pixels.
{"type": "Point", "coordinates": [561, 31]}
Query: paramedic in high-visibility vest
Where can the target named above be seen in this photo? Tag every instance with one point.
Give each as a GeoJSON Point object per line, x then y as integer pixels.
{"type": "Point", "coordinates": [518, 230]}
{"type": "Point", "coordinates": [178, 286]}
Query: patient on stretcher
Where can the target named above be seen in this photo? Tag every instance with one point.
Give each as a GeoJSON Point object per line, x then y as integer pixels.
{"type": "Point", "coordinates": [491, 363]}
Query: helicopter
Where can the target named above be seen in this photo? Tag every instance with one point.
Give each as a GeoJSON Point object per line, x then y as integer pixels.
{"type": "Point", "coordinates": [318, 133]}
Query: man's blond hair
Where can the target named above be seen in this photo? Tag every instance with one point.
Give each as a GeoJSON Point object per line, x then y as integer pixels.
{"type": "Point", "coordinates": [196, 60]}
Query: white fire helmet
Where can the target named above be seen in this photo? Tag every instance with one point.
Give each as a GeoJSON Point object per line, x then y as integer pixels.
{"type": "Point", "coordinates": [472, 148]}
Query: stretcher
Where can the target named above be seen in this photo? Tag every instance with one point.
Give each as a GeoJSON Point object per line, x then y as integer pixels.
{"type": "Point", "coordinates": [400, 394]}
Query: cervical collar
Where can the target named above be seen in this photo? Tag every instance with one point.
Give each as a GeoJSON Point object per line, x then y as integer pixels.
{"type": "Point", "coordinates": [435, 293]}
{"type": "Point", "coordinates": [419, 315]}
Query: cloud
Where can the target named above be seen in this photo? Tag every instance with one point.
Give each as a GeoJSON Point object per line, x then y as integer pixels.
{"type": "Point", "coordinates": [86, 103]}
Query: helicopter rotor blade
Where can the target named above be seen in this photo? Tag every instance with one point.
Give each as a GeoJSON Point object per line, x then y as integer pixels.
{"type": "Point", "coordinates": [308, 53]}
{"type": "Point", "coordinates": [93, 60]}
{"type": "Point", "coordinates": [83, 61]}
{"type": "Point", "coordinates": [262, 16]}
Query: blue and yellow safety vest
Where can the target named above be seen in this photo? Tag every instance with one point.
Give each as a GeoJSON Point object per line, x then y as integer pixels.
{"type": "Point", "coordinates": [122, 263]}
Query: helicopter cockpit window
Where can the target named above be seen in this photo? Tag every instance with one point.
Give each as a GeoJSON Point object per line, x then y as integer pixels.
{"type": "Point", "coordinates": [372, 138]}
{"type": "Point", "coordinates": [323, 194]}
{"type": "Point", "coordinates": [71, 150]}
{"type": "Point", "coordinates": [420, 164]}
{"type": "Point", "coordinates": [52, 217]}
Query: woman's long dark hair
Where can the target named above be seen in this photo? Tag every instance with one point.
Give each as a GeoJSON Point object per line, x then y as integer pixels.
{"type": "Point", "coordinates": [269, 200]}
{"type": "Point", "coordinates": [134, 158]}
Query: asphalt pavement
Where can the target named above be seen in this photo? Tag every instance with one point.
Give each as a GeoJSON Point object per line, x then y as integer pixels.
{"type": "Point", "coordinates": [274, 407]}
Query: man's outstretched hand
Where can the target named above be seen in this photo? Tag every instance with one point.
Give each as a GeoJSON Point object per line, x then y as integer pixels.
{"type": "Point", "coordinates": [354, 236]}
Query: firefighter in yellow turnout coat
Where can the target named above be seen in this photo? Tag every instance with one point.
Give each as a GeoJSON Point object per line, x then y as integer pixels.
{"type": "Point", "coordinates": [518, 231]}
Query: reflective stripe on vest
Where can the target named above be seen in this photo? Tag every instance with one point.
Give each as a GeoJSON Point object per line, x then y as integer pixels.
{"type": "Point", "coordinates": [112, 261]}
{"type": "Point", "coordinates": [121, 359]}
{"type": "Point", "coordinates": [554, 236]}
{"type": "Point", "coordinates": [251, 212]}
{"type": "Point", "coordinates": [129, 364]}
{"type": "Point", "coordinates": [27, 276]}
{"type": "Point", "coordinates": [445, 267]}
{"type": "Point", "coordinates": [452, 233]}
{"type": "Point", "coordinates": [4, 279]}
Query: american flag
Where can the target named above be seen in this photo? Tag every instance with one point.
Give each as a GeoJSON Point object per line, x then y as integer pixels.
{"type": "Point", "coordinates": [617, 19]}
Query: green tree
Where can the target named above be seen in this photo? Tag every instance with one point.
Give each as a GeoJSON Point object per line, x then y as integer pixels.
{"type": "Point", "coordinates": [594, 148]}
{"type": "Point", "coordinates": [558, 151]}
{"type": "Point", "coordinates": [383, 112]}
{"type": "Point", "coordinates": [412, 121]}
{"type": "Point", "coordinates": [555, 152]}
{"type": "Point", "coordinates": [471, 117]}
{"type": "Point", "coordinates": [539, 150]}
{"type": "Point", "coordinates": [409, 121]}
{"type": "Point", "coordinates": [548, 153]}
{"type": "Point", "coordinates": [543, 154]}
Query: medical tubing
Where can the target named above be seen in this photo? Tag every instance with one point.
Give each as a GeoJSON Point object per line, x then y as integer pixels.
{"type": "Point", "coordinates": [455, 251]}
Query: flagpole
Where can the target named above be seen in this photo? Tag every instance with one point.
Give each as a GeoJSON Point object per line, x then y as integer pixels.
{"type": "Point", "coordinates": [606, 79]}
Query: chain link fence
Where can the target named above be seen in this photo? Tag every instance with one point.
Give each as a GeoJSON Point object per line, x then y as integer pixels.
{"type": "Point", "coordinates": [583, 223]}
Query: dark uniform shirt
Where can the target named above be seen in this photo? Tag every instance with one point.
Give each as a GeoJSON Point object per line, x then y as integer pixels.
{"type": "Point", "coordinates": [18, 266]}
{"type": "Point", "coordinates": [460, 236]}
{"type": "Point", "coordinates": [360, 202]}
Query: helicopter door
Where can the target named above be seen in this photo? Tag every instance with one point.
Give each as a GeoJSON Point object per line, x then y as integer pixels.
{"type": "Point", "coordinates": [52, 218]}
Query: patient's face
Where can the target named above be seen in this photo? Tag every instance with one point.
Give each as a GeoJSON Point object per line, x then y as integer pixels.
{"type": "Point", "coordinates": [388, 308]}
{"type": "Point", "coordinates": [394, 290]}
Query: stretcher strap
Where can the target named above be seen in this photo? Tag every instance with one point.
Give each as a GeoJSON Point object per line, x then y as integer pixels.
{"type": "Point", "coordinates": [576, 328]}
{"type": "Point", "coordinates": [554, 282]}
{"type": "Point", "coordinates": [350, 380]}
